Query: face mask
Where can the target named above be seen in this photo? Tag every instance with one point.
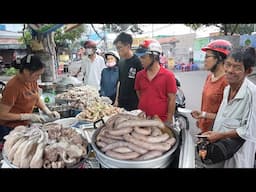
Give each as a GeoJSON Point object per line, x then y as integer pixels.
{"type": "Point", "coordinates": [111, 64]}
{"type": "Point", "coordinates": [89, 51]}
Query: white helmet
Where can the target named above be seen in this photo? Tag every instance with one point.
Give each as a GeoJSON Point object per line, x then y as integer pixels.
{"type": "Point", "coordinates": [149, 46]}
{"type": "Point", "coordinates": [113, 53]}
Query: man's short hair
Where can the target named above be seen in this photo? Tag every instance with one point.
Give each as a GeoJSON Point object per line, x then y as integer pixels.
{"type": "Point", "coordinates": [124, 38]}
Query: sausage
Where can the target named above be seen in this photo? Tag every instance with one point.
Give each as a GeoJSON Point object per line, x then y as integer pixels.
{"type": "Point", "coordinates": [132, 146]}
{"type": "Point", "coordinates": [123, 156]}
{"type": "Point", "coordinates": [141, 123]}
{"type": "Point", "coordinates": [156, 131]}
{"type": "Point", "coordinates": [151, 139]}
{"type": "Point", "coordinates": [122, 131]}
{"type": "Point", "coordinates": [149, 146]}
{"type": "Point", "coordinates": [111, 122]}
{"type": "Point", "coordinates": [106, 140]}
{"type": "Point", "coordinates": [171, 141]}
{"type": "Point", "coordinates": [119, 120]}
{"type": "Point", "coordinates": [143, 131]}
{"type": "Point", "coordinates": [101, 144]}
{"type": "Point", "coordinates": [122, 150]}
{"type": "Point", "coordinates": [150, 155]}
{"type": "Point", "coordinates": [108, 135]}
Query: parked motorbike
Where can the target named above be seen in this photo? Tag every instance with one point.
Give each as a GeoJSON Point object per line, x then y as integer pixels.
{"type": "Point", "coordinates": [2, 86]}
{"type": "Point", "coordinates": [180, 102]}
{"type": "Point", "coordinates": [181, 122]}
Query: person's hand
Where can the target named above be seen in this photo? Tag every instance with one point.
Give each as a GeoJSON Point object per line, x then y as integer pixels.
{"type": "Point", "coordinates": [197, 114]}
{"type": "Point", "coordinates": [53, 114]}
{"type": "Point", "coordinates": [32, 117]}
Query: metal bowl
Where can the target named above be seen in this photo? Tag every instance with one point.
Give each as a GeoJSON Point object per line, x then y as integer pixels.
{"type": "Point", "coordinates": [67, 124]}
{"type": "Point", "coordinates": [79, 164]}
{"type": "Point", "coordinates": [159, 162]}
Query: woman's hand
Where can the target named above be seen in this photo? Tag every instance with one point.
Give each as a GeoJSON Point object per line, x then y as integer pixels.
{"type": "Point", "coordinates": [32, 117]}
{"type": "Point", "coordinates": [53, 114]}
{"type": "Point", "coordinates": [198, 114]}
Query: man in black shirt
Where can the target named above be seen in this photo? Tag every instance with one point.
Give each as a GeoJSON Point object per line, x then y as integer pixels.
{"type": "Point", "coordinates": [129, 65]}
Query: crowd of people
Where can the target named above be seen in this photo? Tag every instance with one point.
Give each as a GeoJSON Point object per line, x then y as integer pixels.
{"type": "Point", "coordinates": [140, 80]}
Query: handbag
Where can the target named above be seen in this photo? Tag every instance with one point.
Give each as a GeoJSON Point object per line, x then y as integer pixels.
{"type": "Point", "coordinates": [220, 150]}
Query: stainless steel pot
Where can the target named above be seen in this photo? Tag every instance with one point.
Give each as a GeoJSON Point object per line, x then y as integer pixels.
{"type": "Point", "coordinates": [64, 123]}
{"type": "Point", "coordinates": [159, 162]}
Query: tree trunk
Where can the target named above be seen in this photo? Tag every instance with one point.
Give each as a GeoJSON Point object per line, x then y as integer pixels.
{"type": "Point", "coordinates": [46, 51]}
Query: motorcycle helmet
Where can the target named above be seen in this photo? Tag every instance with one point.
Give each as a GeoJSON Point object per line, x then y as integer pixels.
{"type": "Point", "coordinates": [219, 45]}
{"type": "Point", "coordinates": [113, 53]}
{"type": "Point", "coordinates": [149, 46]}
{"type": "Point", "coordinates": [90, 44]}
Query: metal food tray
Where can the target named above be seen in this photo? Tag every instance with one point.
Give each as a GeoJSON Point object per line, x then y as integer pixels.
{"type": "Point", "coordinates": [65, 101]}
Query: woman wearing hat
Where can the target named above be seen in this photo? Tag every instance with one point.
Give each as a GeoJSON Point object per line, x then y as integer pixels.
{"type": "Point", "coordinates": [110, 76]}
{"type": "Point", "coordinates": [215, 54]}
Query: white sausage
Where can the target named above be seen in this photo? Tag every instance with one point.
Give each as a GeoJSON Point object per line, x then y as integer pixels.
{"type": "Point", "coordinates": [156, 131]}
{"type": "Point", "coordinates": [101, 144]}
{"type": "Point", "coordinates": [143, 130]}
{"type": "Point", "coordinates": [132, 146]}
{"type": "Point", "coordinates": [123, 156]}
{"type": "Point", "coordinates": [151, 139]}
{"type": "Point", "coordinates": [122, 150]}
{"type": "Point", "coordinates": [140, 123]}
{"type": "Point", "coordinates": [108, 135]}
{"type": "Point", "coordinates": [150, 155]}
{"type": "Point", "coordinates": [106, 140]}
{"type": "Point", "coordinates": [122, 131]}
{"type": "Point", "coordinates": [149, 146]}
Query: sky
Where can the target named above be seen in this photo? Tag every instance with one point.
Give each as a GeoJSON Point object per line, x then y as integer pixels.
{"type": "Point", "coordinates": [176, 29]}
{"type": "Point", "coordinates": [14, 27]}
{"type": "Point", "coordinates": [151, 29]}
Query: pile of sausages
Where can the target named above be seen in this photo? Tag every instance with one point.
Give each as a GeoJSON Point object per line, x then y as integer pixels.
{"type": "Point", "coordinates": [128, 137]}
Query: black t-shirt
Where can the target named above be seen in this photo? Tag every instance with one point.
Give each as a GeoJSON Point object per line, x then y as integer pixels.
{"type": "Point", "coordinates": [128, 69]}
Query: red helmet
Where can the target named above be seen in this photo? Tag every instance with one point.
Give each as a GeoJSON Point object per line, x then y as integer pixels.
{"type": "Point", "coordinates": [219, 45]}
{"type": "Point", "coordinates": [149, 46]}
{"type": "Point", "coordinates": [90, 44]}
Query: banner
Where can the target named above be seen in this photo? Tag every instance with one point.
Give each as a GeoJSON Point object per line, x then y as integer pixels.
{"type": "Point", "coordinates": [248, 41]}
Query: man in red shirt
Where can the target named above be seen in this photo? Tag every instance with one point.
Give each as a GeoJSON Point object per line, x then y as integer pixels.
{"type": "Point", "coordinates": [155, 85]}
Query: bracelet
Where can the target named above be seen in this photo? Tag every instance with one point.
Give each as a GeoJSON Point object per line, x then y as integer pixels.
{"type": "Point", "coordinates": [204, 114]}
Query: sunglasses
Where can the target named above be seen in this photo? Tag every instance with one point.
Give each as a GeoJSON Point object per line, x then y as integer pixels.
{"type": "Point", "coordinates": [206, 56]}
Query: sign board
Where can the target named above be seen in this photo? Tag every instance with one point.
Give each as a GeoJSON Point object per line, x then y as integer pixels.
{"type": "Point", "coordinates": [248, 41]}
{"type": "Point", "coordinates": [198, 54]}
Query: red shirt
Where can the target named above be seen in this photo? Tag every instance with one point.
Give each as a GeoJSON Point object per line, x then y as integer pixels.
{"type": "Point", "coordinates": [154, 94]}
{"type": "Point", "coordinates": [211, 99]}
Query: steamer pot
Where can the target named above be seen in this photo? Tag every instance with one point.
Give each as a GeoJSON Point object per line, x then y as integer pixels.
{"type": "Point", "coordinates": [159, 162]}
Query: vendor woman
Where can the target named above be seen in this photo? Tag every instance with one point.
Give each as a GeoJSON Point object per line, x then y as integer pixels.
{"type": "Point", "coordinates": [21, 95]}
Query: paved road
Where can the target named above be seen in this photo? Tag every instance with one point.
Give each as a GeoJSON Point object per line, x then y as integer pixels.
{"type": "Point", "coordinates": [192, 84]}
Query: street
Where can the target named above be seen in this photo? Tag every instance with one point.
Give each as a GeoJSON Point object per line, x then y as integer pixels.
{"type": "Point", "coordinates": [192, 85]}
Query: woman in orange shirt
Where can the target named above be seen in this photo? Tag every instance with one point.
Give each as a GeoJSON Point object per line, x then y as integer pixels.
{"type": "Point", "coordinates": [21, 95]}
{"type": "Point", "coordinates": [216, 53]}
